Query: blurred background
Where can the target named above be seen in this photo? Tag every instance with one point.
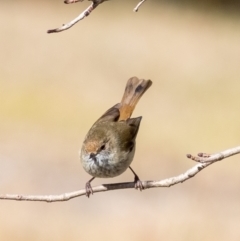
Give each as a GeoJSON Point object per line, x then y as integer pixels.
{"type": "Point", "coordinates": [53, 88]}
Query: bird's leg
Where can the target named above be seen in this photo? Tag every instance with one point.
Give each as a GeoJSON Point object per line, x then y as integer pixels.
{"type": "Point", "coordinates": [137, 181]}
{"type": "Point", "coordinates": [88, 187]}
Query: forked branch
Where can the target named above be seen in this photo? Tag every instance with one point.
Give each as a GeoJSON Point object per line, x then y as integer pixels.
{"type": "Point", "coordinates": [84, 14]}
{"type": "Point", "coordinates": [81, 16]}
{"type": "Point", "coordinates": [203, 159]}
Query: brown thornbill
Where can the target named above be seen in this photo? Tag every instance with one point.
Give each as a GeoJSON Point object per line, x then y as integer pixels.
{"type": "Point", "coordinates": [109, 146]}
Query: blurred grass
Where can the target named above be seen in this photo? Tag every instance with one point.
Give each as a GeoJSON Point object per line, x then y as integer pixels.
{"type": "Point", "coordinates": [53, 87]}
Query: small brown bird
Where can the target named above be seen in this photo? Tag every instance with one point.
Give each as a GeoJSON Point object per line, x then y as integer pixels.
{"type": "Point", "coordinates": [109, 146]}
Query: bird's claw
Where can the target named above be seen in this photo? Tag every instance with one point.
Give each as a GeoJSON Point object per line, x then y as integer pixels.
{"type": "Point", "coordinates": [88, 189]}
{"type": "Point", "coordinates": [138, 183]}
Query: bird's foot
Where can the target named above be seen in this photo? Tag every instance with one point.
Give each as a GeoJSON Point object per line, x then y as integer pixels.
{"type": "Point", "coordinates": [88, 189]}
{"type": "Point", "coordinates": [138, 183]}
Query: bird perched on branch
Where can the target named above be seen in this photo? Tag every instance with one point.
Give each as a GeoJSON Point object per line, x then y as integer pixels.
{"type": "Point", "coordinates": [109, 146]}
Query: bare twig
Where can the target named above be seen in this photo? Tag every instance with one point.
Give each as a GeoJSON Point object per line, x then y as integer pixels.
{"type": "Point", "coordinates": [208, 158]}
{"type": "Point", "coordinates": [84, 14]}
{"type": "Point", "coordinates": [72, 1]}
{"type": "Point", "coordinates": [138, 6]}
{"type": "Point", "coordinates": [205, 161]}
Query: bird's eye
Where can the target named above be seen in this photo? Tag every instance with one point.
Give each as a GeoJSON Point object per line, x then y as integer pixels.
{"type": "Point", "coordinates": [102, 147]}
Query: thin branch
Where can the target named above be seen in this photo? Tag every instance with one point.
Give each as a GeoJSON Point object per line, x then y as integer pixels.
{"type": "Point", "coordinates": [138, 6]}
{"type": "Point", "coordinates": [72, 1]}
{"type": "Point", "coordinates": [84, 14]}
{"type": "Point", "coordinates": [206, 160]}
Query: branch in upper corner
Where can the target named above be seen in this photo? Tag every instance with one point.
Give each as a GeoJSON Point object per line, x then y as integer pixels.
{"type": "Point", "coordinates": [138, 6]}
{"type": "Point", "coordinates": [205, 160]}
{"type": "Point", "coordinates": [84, 14]}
